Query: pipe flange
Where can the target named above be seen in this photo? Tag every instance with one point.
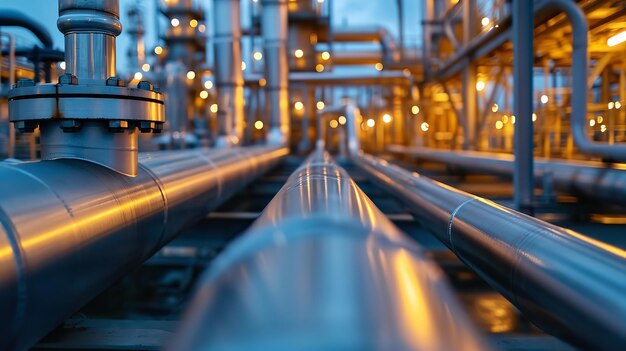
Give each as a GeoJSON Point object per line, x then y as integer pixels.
{"type": "Point", "coordinates": [87, 102]}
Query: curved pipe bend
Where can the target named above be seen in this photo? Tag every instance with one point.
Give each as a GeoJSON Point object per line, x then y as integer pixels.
{"type": "Point", "coordinates": [18, 19]}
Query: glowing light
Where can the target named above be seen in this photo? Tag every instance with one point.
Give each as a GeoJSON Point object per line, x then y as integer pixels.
{"type": "Point", "coordinates": [208, 84]}
{"type": "Point", "coordinates": [499, 125]}
{"type": "Point", "coordinates": [320, 105]}
{"type": "Point", "coordinates": [258, 56]}
{"type": "Point", "coordinates": [62, 65]}
{"type": "Point", "coordinates": [258, 125]}
{"type": "Point", "coordinates": [320, 1]}
{"type": "Point", "coordinates": [379, 66]}
{"type": "Point", "coordinates": [618, 105]}
{"type": "Point", "coordinates": [158, 50]}
{"type": "Point", "coordinates": [262, 82]}
{"type": "Point", "coordinates": [298, 53]}
{"type": "Point", "coordinates": [204, 94]}
{"type": "Point", "coordinates": [193, 23]}
{"type": "Point", "coordinates": [592, 122]}
{"type": "Point", "coordinates": [175, 22]}
{"type": "Point", "coordinates": [342, 120]}
{"type": "Point", "coordinates": [616, 39]}
{"type": "Point", "coordinates": [370, 123]}
{"type": "Point", "coordinates": [424, 127]}
{"type": "Point", "coordinates": [191, 75]}
{"type": "Point", "coordinates": [599, 119]}
{"type": "Point", "coordinates": [325, 55]}
{"type": "Point", "coordinates": [480, 85]}
{"type": "Point", "coordinates": [298, 106]}
{"type": "Point", "coordinates": [334, 124]}
{"type": "Point", "coordinates": [495, 108]}
{"type": "Point", "coordinates": [603, 128]}
{"type": "Point", "coordinates": [201, 28]}
{"type": "Point", "coordinates": [534, 117]}
{"type": "Point", "coordinates": [505, 119]}
{"type": "Point", "coordinates": [544, 99]}
{"type": "Point", "coordinates": [138, 75]}
{"type": "Point", "coordinates": [611, 105]}
{"type": "Point", "coordinates": [243, 66]}
{"type": "Point", "coordinates": [387, 118]}
{"type": "Point", "coordinates": [415, 109]}
{"type": "Point", "coordinates": [485, 21]}
{"type": "Point", "coordinates": [214, 108]}
{"type": "Point", "coordinates": [319, 68]}
{"type": "Point", "coordinates": [513, 119]}
{"type": "Point", "coordinates": [145, 67]}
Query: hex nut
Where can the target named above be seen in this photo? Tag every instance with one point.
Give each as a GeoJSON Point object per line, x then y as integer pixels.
{"type": "Point", "coordinates": [70, 125]}
{"type": "Point", "coordinates": [25, 126]}
{"type": "Point", "coordinates": [115, 82]}
{"type": "Point", "coordinates": [145, 85]}
{"type": "Point", "coordinates": [146, 126]}
{"type": "Point", "coordinates": [118, 126]}
{"type": "Point", "coordinates": [68, 79]}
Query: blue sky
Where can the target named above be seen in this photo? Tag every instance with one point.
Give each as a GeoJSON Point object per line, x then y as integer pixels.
{"type": "Point", "coordinates": [346, 12]}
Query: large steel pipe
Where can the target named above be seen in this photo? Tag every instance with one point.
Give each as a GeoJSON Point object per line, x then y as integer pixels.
{"type": "Point", "coordinates": [567, 284]}
{"type": "Point", "coordinates": [324, 269]}
{"type": "Point", "coordinates": [592, 180]}
{"type": "Point", "coordinates": [70, 228]}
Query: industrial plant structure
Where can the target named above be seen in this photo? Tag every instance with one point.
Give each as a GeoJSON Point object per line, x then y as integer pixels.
{"type": "Point", "coordinates": [264, 178]}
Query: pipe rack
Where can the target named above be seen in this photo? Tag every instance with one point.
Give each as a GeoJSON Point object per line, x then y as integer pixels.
{"type": "Point", "coordinates": [324, 269]}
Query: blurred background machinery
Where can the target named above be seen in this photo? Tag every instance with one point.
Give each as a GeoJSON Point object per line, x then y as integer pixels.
{"type": "Point", "coordinates": [312, 174]}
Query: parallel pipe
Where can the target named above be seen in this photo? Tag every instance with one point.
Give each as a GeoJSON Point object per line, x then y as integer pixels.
{"type": "Point", "coordinates": [391, 50]}
{"type": "Point", "coordinates": [591, 180]}
{"type": "Point", "coordinates": [569, 285]}
{"type": "Point", "coordinates": [70, 228]}
{"type": "Point", "coordinates": [324, 269]}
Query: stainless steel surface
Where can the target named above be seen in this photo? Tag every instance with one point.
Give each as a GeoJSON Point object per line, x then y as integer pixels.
{"type": "Point", "coordinates": [71, 228]}
{"type": "Point", "coordinates": [274, 32]}
{"type": "Point", "coordinates": [324, 269]}
{"type": "Point", "coordinates": [523, 60]}
{"type": "Point", "coordinates": [228, 72]}
{"type": "Point", "coordinates": [90, 28]}
{"type": "Point", "coordinates": [569, 285]}
{"type": "Point", "coordinates": [591, 180]}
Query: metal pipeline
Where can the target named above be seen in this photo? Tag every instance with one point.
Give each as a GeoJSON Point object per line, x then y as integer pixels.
{"type": "Point", "coordinates": [70, 228]}
{"type": "Point", "coordinates": [567, 284]}
{"type": "Point", "coordinates": [18, 19]}
{"type": "Point", "coordinates": [274, 18]}
{"type": "Point", "coordinates": [228, 74]}
{"type": "Point", "coordinates": [324, 269]}
{"type": "Point", "coordinates": [391, 51]}
{"type": "Point", "coordinates": [592, 180]}
{"type": "Point", "coordinates": [396, 78]}
{"type": "Point", "coordinates": [580, 61]}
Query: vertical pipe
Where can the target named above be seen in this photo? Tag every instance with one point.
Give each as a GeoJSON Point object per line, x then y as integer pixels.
{"type": "Point", "coordinates": [228, 73]}
{"type": "Point", "coordinates": [11, 148]}
{"type": "Point", "coordinates": [274, 31]}
{"type": "Point", "coordinates": [470, 107]}
{"type": "Point", "coordinates": [523, 180]}
{"type": "Point", "coordinates": [90, 28]}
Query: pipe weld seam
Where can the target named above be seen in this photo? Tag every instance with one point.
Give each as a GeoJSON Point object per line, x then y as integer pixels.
{"type": "Point", "coordinates": [161, 188]}
{"type": "Point", "coordinates": [452, 216]}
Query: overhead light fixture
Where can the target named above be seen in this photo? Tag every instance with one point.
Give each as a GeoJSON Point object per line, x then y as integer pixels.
{"type": "Point", "coordinates": [616, 39]}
